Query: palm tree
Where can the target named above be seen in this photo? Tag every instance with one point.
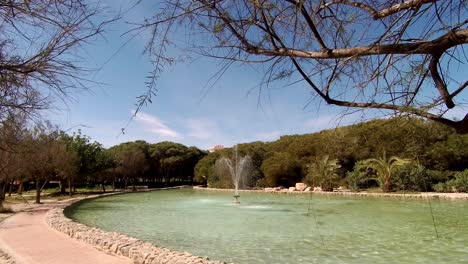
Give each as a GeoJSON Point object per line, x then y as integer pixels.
{"type": "Point", "coordinates": [384, 169]}
{"type": "Point", "coordinates": [322, 172]}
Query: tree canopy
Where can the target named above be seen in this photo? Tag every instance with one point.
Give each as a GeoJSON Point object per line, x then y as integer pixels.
{"type": "Point", "coordinates": [38, 44]}
{"type": "Point", "coordinates": [399, 56]}
{"type": "Point", "coordinates": [354, 156]}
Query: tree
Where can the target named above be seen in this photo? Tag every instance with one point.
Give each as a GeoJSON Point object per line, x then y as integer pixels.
{"type": "Point", "coordinates": [12, 132]}
{"type": "Point", "coordinates": [103, 169]}
{"type": "Point", "coordinates": [281, 169]}
{"type": "Point", "coordinates": [41, 152]}
{"type": "Point", "coordinates": [322, 172]}
{"type": "Point", "coordinates": [205, 170]}
{"type": "Point", "coordinates": [89, 154]}
{"type": "Point", "coordinates": [38, 44]}
{"type": "Point", "coordinates": [398, 56]}
{"type": "Point", "coordinates": [384, 169]}
{"type": "Point", "coordinates": [132, 161]}
{"type": "Point", "coordinates": [174, 161]}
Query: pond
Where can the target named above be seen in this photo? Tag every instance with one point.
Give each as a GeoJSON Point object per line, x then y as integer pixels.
{"type": "Point", "coordinates": [279, 228]}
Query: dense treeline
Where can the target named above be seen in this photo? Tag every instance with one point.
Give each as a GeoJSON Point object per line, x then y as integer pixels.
{"type": "Point", "coordinates": [33, 158]}
{"type": "Point", "coordinates": [401, 154]}
{"type": "Point", "coordinates": [160, 164]}
{"type": "Point", "coordinates": [394, 154]}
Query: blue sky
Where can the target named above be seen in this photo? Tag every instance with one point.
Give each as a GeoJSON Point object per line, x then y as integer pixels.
{"type": "Point", "coordinates": [185, 110]}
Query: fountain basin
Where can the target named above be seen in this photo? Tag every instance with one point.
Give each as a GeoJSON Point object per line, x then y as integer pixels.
{"type": "Point", "coordinates": [274, 228]}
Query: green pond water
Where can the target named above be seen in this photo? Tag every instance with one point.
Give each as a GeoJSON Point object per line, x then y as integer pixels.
{"type": "Point", "coordinates": [278, 228]}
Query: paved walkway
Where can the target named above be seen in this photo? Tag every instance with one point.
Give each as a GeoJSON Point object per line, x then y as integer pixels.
{"type": "Point", "coordinates": [29, 240]}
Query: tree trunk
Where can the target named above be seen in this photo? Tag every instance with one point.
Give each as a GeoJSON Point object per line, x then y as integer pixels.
{"type": "Point", "coordinates": [2, 195]}
{"type": "Point", "coordinates": [10, 188]}
{"type": "Point", "coordinates": [62, 186]}
{"type": "Point", "coordinates": [38, 191]}
{"type": "Point", "coordinates": [103, 187]}
{"type": "Point", "coordinates": [69, 187]}
{"type": "Point", "coordinates": [20, 188]}
{"type": "Point", "coordinates": [113, 184]}
{"type": "Point", "coordinates": [133, 185]}
{"type": "Point", "coordinates": [387, 185]}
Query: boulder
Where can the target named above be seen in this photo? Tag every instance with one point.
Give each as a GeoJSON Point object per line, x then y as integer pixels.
{"type": "Point", "coordinates": [269, 189]}
{"type": "Point", "coordinates": [300, 186]}
{"type": "Point", "coordinates": [317, 189]}
{"type": "Point", "coordinates": [292, 189]}
{"type": "Point", "coordinates": [308, 189]}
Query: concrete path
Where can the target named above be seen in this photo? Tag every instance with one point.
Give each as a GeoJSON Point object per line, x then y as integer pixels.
{"type": "Point", "coordinates": [29, 240]}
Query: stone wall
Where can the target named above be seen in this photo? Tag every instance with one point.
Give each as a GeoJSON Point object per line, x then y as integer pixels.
{"type": "Point", "coordinates": [5, 258]}
{"type": "Point", "coordinates": [428, 195]}
{"type": "Point", "coordinates": [138, 251]}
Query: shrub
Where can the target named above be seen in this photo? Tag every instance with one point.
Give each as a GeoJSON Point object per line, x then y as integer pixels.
{"type": "Point", "coordinates": [281, 169]}
{"type": "Point", "coordinates": [323, 172]}
{"type": "Point", "coordinates": [356, 179]}
{"type": "Point", "coordinates": [360, 177]}
{"type": "Point", "coordinates": [460, 183]}
{"type": "Point", "coordinates": [441, 187]}
{"type": "Point", "coordinates": [411, 177]}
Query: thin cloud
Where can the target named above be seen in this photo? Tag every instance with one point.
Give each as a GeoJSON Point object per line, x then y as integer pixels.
{"type": "Point", "coordinates": [155, 125]}
{"type": "Point", "coordinates": [268, 136]}
{"type": "Point", "coordinates": [202, 129]}
{"type": "Point", "coordinates": [321, 122]}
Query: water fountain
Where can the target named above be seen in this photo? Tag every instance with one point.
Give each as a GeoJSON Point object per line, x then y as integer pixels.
{"type": "Point", "coordinates": [239, 169]}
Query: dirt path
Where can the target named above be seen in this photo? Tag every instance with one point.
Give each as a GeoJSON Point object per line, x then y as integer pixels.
{"type": "Point", "coordinates": [29, 240]}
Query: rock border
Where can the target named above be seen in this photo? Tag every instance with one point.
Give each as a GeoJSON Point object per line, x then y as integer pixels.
{"type": "Point", "coordinates": [140, 252]}
{"type": "Point", "coordinates": [428, 195]}
{"type": "Point", "coordinates": [5, 258]}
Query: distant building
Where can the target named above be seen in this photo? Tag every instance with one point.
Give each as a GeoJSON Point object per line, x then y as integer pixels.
{"type": "Point", "coordinates": [216, 148]}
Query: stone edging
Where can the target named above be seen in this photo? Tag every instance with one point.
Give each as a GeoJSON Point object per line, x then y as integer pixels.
{"type": "Point", "coordinates": [114, 243]}
{"type": "Point", "coordinates": [5, 258]}
{"type": "Point", "coordinates": [428, 195]}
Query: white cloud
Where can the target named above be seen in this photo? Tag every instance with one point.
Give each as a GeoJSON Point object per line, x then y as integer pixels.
{"type": "Point", "coordinates": [155, 125]}
{"type": "Point", "coordinates": [334, 121]}
{"type": "Point", "coordinates": [202, 129]}
{"type": "Point", "coordinates": [268, 136]}
{"type": "Point", "coordinates": [320, 122]}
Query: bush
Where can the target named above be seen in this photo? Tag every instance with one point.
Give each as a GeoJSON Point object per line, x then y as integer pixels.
{"type": "Point", "coordinates": [359, 178]}
{"type": "Point", "coordinates": [460, 183]}
{"type": "Point", "coordinates": [442, 187]}
{"type": "Point", "coordinates": [411, 177]}
{"type": "Point", "coordinates": [281, 169]}
{"type": "Point", "coordinates": [437, 176]}
{"type": "Point", "coordinates": [356, 179]}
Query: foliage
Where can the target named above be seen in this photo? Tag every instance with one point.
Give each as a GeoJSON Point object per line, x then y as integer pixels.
{"type": "Point", "coordinates": [204, 170]}
{"type": "Point", "coordinates": [384, 169]}
{"type": "Point", "coordinates": [399, 62]}
{"type": "Point", "coordinates": [357, 178]}
{"type": "Point", "coordinates": [409, 138]}
{"type": "Point", "coordinates": [411, 177]}
{"type": "Point", "coordinates": [460, 183]}
{"type": "Point", "coordinates": [443, 187]}
{"type": "Point", "coordinates": [322, 172]}
{"type": "Point", "coordinates": [37, 51]}
{"type": "Point", "coordinates": [281, 169]}
{"type": "Point", "coordinates": [163, 163]}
